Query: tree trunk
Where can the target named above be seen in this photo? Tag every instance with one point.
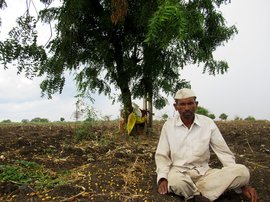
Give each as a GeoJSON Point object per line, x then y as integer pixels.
{"type": "Point", "coordinates": [150, 108]}
{"type": "Point", "coordinates": [121, 76]}
{"type": "Point", "coordinates": [127, 102]}
{"type": "Point", "coordinates": [145, 103]}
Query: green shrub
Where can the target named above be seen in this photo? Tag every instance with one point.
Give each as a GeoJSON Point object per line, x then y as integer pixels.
{"type": "Point", "coordinates": [85, 132]}
{"type": "Point", "coordinates": [223, 116]}
{"type": "Point", "coordinates": [250, 118]}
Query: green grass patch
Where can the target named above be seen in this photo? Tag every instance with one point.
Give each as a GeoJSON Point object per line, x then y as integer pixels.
{"type": "Point", "coordinates": [25, 172]}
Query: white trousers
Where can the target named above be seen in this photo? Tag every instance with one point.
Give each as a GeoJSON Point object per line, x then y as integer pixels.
{"type": "Point", "coordinates": [211, 185]}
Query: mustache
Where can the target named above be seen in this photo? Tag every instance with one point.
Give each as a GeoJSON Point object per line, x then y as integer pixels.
{"type": "Point", "coordinates": [188, 114]}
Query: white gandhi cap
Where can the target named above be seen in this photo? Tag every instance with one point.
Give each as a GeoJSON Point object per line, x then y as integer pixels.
{"type": "Point", "coordinates": [184, 93]}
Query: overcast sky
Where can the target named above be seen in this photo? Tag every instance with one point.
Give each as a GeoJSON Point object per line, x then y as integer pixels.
{"type": "Point", "coordinates": [242, 92]}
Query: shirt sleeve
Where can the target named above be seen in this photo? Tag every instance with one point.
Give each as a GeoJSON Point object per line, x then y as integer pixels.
{"type": "Point", "coordinates": [220, 147]}
{"type": "Point", "coordinates": [162, 156]}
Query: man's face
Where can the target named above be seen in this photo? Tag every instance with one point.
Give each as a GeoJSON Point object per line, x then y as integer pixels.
{"type": "Point", "coordinates": [186, 107]}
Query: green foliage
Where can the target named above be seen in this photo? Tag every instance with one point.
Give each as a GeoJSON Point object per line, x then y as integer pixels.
{"type": "Point", "coordinates": [202, 110]}
{"type": "Point", "coordinates": [22, 47]}
{"type": "Point", "coordinates": [164, 117]}
{"type": "Point", "coordinates": [31, 173]}
{"type": "Point", "coordinates": [194, 29]}
{"type": "Point", "coordinates": [6, 121]}
{"type": "Point", "coordinates": [141, 56]}
{"type": "Point", "coordinates": [85, 132]}
{"type": "Point", "coordinates": [205, 112]}
{"type": "Point", "coordinates": [250, 118]}
{"type": "Point", "coordinates": [25, 121]}
{"type": "Point", "coordinates": [223, 116]}
{"type": "Point", "coordinates": [62, 119]}
{"type": "Point", "coordinates": [160, 23]}
{"type": "Point", "coordinates": [212, 116]}
{"type": "Point", "coordinates": [39, 120]}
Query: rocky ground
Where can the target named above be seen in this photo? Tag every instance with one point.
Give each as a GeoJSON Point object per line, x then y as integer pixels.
{"type": "Point", "coordinates": [68, 162]}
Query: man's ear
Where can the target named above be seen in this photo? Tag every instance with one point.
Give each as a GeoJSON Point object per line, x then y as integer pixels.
{"type": "Point", "coordinates": [197, 103]}
{"type": "Point", "coordinates": [174, 106]}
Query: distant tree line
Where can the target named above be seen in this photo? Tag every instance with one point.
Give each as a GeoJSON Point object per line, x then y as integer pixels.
{"type": "Point", "coordinates": [34, 120]}
{"type": "Point", "coordinates": [203, 111]}
{"type": "Point", "coordinates": [92, 116]}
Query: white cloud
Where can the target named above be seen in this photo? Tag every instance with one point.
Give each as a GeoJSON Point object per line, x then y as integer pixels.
{"type": "Point", "coordinates": [17, 87]}
{"type": "Point", "coordinates": [51, 109]}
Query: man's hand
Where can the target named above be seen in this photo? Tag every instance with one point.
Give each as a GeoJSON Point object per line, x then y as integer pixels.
{"type": "Point", "coordinates": [250, 193]}
{"type": "Point", "coordinates": [163, 186]}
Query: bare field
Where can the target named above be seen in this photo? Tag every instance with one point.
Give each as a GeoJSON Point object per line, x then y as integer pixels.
{"type": "Point", "coordinates": [68, 162]}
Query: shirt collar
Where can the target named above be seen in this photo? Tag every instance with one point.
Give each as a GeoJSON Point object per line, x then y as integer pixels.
{"type": "Point", "coordinates": [196, 120]}
{"type": "Point", "coordinates": [179, 122]}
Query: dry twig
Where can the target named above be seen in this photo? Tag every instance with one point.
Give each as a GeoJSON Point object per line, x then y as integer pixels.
{"type": "Point", "coordinates": [249, 146]}
{"type": "Point", "coordinates": [72, 198]}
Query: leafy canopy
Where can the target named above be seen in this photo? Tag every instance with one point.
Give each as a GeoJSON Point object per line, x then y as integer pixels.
{"type": "Point", "coordinates": [138, 47]}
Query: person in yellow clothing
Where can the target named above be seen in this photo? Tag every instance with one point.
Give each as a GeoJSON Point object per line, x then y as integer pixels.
{"type": "Point", "coordinates": [182, 156]}
{"type": "Point", "coordinates": [135, 117]}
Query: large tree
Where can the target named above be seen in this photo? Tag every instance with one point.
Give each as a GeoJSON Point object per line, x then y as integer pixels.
{"type": "Point", "coordinates": [138, 47]}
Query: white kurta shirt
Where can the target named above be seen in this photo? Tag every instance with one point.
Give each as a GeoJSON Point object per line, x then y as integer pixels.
{"type": "Point", "coordinates": [189, 148]}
